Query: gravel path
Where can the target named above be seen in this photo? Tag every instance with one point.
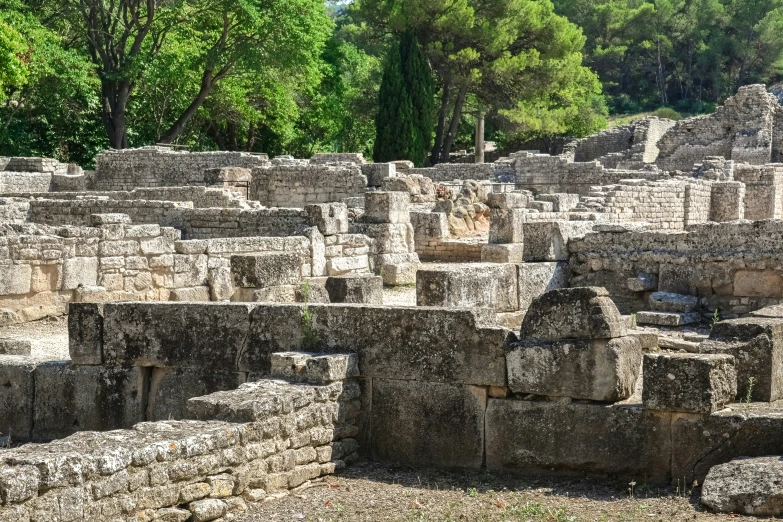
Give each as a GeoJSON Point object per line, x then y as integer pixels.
{"type": "Point", "coordinates": [49, 337]}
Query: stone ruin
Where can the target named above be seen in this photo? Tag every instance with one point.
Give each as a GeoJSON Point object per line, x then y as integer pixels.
{"type": "Point", "coordinates": [233, 330]}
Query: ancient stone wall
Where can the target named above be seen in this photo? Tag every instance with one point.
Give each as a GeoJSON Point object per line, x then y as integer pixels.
{"type": "Point", "coordinates": [730, 266]}
{"type": "Point", "coordinates": [460, 171]}
{"type": "Point", "coordinates": [201, 197]}
{"type": "Point", "coordinates": [162, 167]}
{"type": "Point", "coordinates": [299, 185]}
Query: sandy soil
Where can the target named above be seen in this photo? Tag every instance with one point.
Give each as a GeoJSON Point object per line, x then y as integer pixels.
{"type": "Point", "coordinates": [49, 337]}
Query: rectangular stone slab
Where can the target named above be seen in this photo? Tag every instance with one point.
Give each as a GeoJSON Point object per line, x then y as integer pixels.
{"type": "Point", "coordinates": [16, 396]}
{"type": "Point", "coordinates": [481, 285]}
{"type": "Point", "coordinates": [598, 369]}
{"type": "Point", "coordinates": [667, 318]}
{"type": "Point", "coordinates": [690, 383]}
{"type": "Point", "coordinates": [626, 441]}
{"type": "Point", "coordinates": [428, 424]}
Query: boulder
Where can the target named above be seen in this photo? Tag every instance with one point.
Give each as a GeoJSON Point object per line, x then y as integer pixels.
{"type": "Point", "coordinates": [748, 486]}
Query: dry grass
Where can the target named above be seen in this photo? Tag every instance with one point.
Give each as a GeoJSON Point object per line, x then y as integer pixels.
{"type": "Point", "coordinates": [373, 492]}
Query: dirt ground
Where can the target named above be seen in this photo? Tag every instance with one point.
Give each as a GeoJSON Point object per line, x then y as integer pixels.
{"type": "Point", "coordinates": [374, 492]}
{"type": "Point", "coordinates": [49, 337]}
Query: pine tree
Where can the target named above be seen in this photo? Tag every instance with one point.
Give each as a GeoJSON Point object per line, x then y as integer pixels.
{"type": "Point", "coordinates": [420, 85]}
{"type": "Point", "coordinates": [395, 132]}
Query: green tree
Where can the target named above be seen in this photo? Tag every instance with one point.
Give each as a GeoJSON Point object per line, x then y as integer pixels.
{"type": "Point", "coordinates": [395, 129]}
{"type": "Point", "coordinates": [420, 86]}
{"type": "Point", "coordinates": [14, 53]}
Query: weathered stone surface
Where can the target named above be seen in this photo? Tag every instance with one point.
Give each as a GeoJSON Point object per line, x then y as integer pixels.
{"type": "Point", "coordinates": [747, 486]}
{"type": "Point", "coordinates": [502, 253]}
{"type": "Point", "coordinates": [667, 318]}
{"type": "Point", "coordinates": [673, 303]}
{"type": "Point", "coordinates": [386, 207]}
{"type": "Point", "coordinates": [85, 333]}
{"type": "Point", "coordinates": [72, 398]}
{"type": "Point", "coordinates": [572, 313]}
{"type": "Point", "coordinates": [80, 271]}
{"type": "Point", "coordinates": [471, 285]}
{"type": "Point", "coordinates": [691, 383]}
{"type": "Point", "coordinates": [262, 270]}
{"type": "Point", "coordinates": [312, 367]}
{"type": "Point", "coordinates": [170, 389]}
{"type": "Point", "coordinates": [599, 369]}
{"type": "Point", "coordinates": [186, 335]}
{"type": "Point", "coordinates": [642, 282]}
{"type": "Point", "coordinates": [110, 219]}
{"type": "Point", "coordinates": [625, 441]}
{"type": "Point", "coordinates": [505, 225]}
{"type": "Point", "coordinates": [507, 200]}
{"type": "Point", "coordinates": [206, 510]}
{"type": "Point", "coordinates": [548, 240]}
{"type": "Point", "coordinates": [367, 289]}
{"type": "Point", "coordinates": [757, 347]}
{"type": "Point", "coordinates": [428, 424]}
{"type": "Point", "coordinates": [15, 279]}
{"type": "Point", "coordinates": [17, 391]}
{"type": "Point", "coordinates": [535, 279]}
{"type": "Point", "coordinates": [18, 484]}
{"type": "Point", "coordinates": [10, 346]}
{"type": "Point", "coordinates": [196, 293]}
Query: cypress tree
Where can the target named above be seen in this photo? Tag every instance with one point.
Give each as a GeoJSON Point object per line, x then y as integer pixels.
{"type": "Point", "coordinates": [420, 85]}
{"type": "Point", "coordinates": [395, 130]}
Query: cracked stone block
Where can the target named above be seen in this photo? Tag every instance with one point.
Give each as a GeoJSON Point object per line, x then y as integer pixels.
{"type": "Point", "coordinates": [690, 383]}
{"type": "Point", "coordinates": [367, 289]}
{"type": "Point", "coordinates": [673, 303]}
{"type": "Point", "coordinates": [505, 225]}
{"type": "Point", "coordinates": [599, 369]}
{"type": "Point", "coordinates": [667, 318]}
{"type": "Point", "coordinates": [747, 486]}
{"type": "Point", "coordinates": [572, 313]}
{"type": "Point", "coordinates": [262, 270]}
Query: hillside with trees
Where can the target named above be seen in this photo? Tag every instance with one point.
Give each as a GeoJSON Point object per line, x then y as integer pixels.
{"type": "Point", "coordinates": [393, 79]}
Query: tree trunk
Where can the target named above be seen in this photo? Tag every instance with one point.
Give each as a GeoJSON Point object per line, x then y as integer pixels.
{"type": "Point", "coordinates": [455, 119]}
{"type": "Point", "coordinates": [115, 101]}
{"type": "Point", "coordinates": [479, 154]}
{"type": "Point", "coordinates": [444, 105]}
{"type": "Point", "coordinates": [251, 137]}
{"type": "Point", "coordinates": [207, 82]}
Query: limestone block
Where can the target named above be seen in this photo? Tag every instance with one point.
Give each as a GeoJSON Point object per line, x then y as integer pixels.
{"type": "Point", "coordinates": [80, 271]}
{"type": "Point", "coordinates": [386, 207]}
{"type": "Point", "coordinates": [101, 294]}
{"type": "Point", "coordinates": [746, 486]}
{"type": "Point", "coordinates": [221, 284]}
{"type": "Point", "coordinates": [17, 484]}
{"type": "Point", "coordinates": [191, 246]}
{"type": "Point", "coordinates": [502, 253]}
{"type": "Point", "coordinates": [377, 172]}
{"type": "Point", "coordinates": [642, 283]}
{"type": "Point", "coordinates": [667, 318]}
{"type": "Point", "coordinates": [170, 389]}
{"type": "Point", "coordinates": [157, 245]}
{"type": "Point", "coordinates": [541, 206]}
{"type": "Point", "coordinates": [45, 278]}
{"type": "Point", "coordinates": [367, 289]}
{"type": "Point", "coordinates": [119, 248]}
{"type": "Point", "coordinates": [10, 346]}
{"type": "Point", "coordinates": [506, 225]}
{"type": "Point", "coordinates": [72, 398]}
{"type": "Point", "coordinates": [690, 383]}
{"type": "Point", "coordinates": [391, 238]}
{"type": "Point", "coordinates": [190, 270]}
{"type": "Point", "coordinates": [427, 424]}
{"type": "Point", "coordinates": [15, 279]}
{"type": "Point", "coordinates": [507, 200]}
{"type": "Point", "coordinates": [674, 303]}
{"type": "Point", "coordinates": [758, 283]}
{"type": "Point", "coordinates": [399, 273]}
{"type": "Point", "coordinates": [270, 294]}
{"type": "Point", "coordinates": [263, 270]}
{"type": "Point", "coordinates": [176, 335]}
{"type": "Point", "coordinates": [572, 313]}
{"type": "Point", "coordinates": [109, 219]}
{"type": "Point", "coordinates": [599, 369]}
{"type": "Point", "coordinates": [535, 279]}
{"type": "Point", "coordinates": [196, 293]}
{"type": "Point", "coordinates": [85, 333]}
{"type": "Point", "coordinates": [205, 510]}
{"type": "Point", "coordinates": [311, 291]}
{"type": "Point", "coordinates": [16, 396]}
{"type": "Point", "coordinates": [330, 218]}
{"type": "Point", "coordinates": [560, 202]}
{"type": "Point", "coordinates": [536, 436]}
{"type": "Point", "coordinates": [548, 240]}
{"type": "Point", "coordinates": [313, 368]}
{"type": "Point", "coordinates": [336, 266]}
{"type": "Point", "coordinates": [757, 346]}
{"type": "Point", "coordinates": [474, 285]}
{"type": "Point", "coordinates": [140, 231]}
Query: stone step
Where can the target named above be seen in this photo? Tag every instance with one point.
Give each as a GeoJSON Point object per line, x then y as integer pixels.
{"type": "Point", "coordinates": [667, 318]}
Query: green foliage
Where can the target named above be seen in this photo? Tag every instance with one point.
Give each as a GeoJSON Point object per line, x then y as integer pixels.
{"type": "Point", "coordinates": [420, 86]}
{"type": "Point", "coordinates": [14, 57]}
{"type": "Point", "coordinates": [667, 112]}
{"type": "Point", "coordinates": [395, 129]}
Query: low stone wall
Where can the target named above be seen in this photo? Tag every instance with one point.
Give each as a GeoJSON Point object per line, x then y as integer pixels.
{"type": "Point", "coordinates": [163, 167]}
{"type": "Point", "coordinates": [12, 183]}
{"type": "Point", "coordinates": [732, 267]}
{"type": "Point", "coordinates": [201, 197]}
{"type": "Point", "coordinates": [262, 438]}
{"type": "Point", "coordinates": [299, 185]}
{"type": "Point", "coordinates": [462, 171]}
